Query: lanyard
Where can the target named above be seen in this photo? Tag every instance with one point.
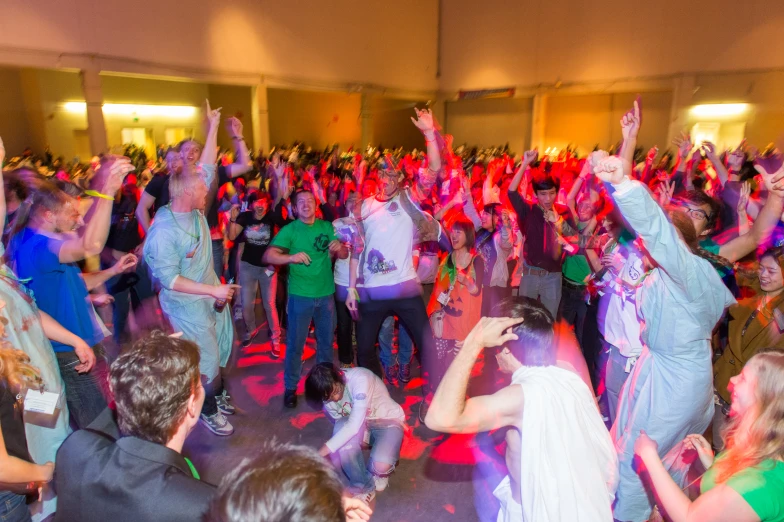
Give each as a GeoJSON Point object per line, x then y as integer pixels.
{"type": "Point", "coordinates": [195, 223]}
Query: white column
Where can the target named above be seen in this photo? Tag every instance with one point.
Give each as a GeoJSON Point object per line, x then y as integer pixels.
{"type": "Point", "coordinates": [682, 96]}
{"type": "Point", "coordinates": [538, 116]}
{"type": "Point", "coordinates": [260, 118]}
{"type": "Point", "coordinates": [93, 96]}
{"type": "Point", "coordinates": [366, 118]}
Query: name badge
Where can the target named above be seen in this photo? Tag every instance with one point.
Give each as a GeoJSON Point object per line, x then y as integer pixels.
{"type": "Point", "coordinates": [443, 298]}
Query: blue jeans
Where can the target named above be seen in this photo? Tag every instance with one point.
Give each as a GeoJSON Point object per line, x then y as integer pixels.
{"type": "Point", "coordinates": [547, 288]}
{"type": "Point", "coordinates": [13, 508]}
{"type": "Point", "coordinates": [85, 393]}
{"type": "Point", "coordinates": [386, 438]}
{"type": "Point", "coordinates": [300, 311]}
{"type": "Point", "coordinates": [405, 346]}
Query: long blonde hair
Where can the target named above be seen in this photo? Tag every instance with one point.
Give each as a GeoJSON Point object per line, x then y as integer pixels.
{"type": "Point", "coordinates": [16, 372]}
{"type": "Point", "coordinates": [765, 436]}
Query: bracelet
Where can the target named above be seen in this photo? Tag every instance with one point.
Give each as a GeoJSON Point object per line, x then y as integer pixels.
{"type": "Point", "coordinates": [98, 194]}
{"type": "Point", "coordinates": [240, 138]}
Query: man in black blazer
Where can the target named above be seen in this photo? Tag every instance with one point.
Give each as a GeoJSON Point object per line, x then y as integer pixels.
{"type": "Point", "coordinates": [141, 476]}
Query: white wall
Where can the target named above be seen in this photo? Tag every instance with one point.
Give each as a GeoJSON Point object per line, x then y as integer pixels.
{"type": "Point", "coordinates": [372, 41]}
{"type": "Point", "coordinates": [501, 43]}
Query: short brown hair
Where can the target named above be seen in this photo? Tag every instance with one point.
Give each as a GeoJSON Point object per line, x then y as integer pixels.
{"type": "Point", "coordinates": [151, 382]}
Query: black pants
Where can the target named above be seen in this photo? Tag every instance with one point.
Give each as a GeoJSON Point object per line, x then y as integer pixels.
{"type": "Point", "coordinates": [413, 316]}
{"type": "Point", "coordinates": [212, 389]}
{"type": "Point", "coordinates": [344, 329]}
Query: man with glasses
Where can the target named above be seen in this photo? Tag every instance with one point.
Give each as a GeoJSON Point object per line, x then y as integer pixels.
{"type": "Point", "coordinates": [704, 213]}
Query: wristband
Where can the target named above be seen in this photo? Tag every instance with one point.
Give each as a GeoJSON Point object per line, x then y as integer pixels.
{"type": "Point", "coordinates": [98, 194]}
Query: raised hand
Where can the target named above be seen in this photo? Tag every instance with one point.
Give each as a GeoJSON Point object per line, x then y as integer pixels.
{"type": "Point", "coordinates": [492, 331]}
{"type": "Point", "coordinates": [424, 120]}
{"type": "Point", "coordinates": [684, 145]}
{"type": "Point", "coordinates": [610, 170]}
{"type": "Point", "coordinates": [234, 212]}
{"type": "Point", "coordinates": [595, 158]}
{"type": "Point", "coordinates": [213, 116]}
{"type": "Point", "coordinates": [709, 150]}
{"type": "Point", "coordinates": [630, 123]}
{"type": "Point", "coordinates": [774, 181]}
{"type": "Point", "coordinates": [234, 127]}
{"type": "Point", "coordinates": [530, 156]}
{"type": "Point", "coordinates": [113, 170]}
{"type": "Point", "coordinates": [743, 200]}
{"type": "Point", "coordinates": [652, 153]}
{"type": "Point", "coordinates": [665, 190]}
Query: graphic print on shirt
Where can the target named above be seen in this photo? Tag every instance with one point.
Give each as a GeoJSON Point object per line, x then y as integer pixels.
{"type": "Point", "coordinates": [377, 264]}
{"type": "Point", "coordinates": [258, 235]}
{"type": "Point", "coordinates": [321, 242]}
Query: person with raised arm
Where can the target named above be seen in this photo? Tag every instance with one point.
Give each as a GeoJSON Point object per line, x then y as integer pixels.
{"type": "Point", "coordinates": [561, 461]}
{"type": "Point", "coordinates": [669, 393]}
{"type": "Point", "coordinates": [179, 254]}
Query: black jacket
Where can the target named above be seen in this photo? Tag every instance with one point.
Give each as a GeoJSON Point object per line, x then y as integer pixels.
{"type": "Point", "coordinates": [130, 480]}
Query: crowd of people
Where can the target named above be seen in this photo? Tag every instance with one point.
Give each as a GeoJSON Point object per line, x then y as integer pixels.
{"type": "Point", "coordinates": [622, 317]}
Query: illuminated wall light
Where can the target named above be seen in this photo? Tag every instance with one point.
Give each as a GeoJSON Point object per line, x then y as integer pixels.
{"type": "Point", "coordinates": [130, 109]}
{"type": "Point", "coordinates": [712, 110]}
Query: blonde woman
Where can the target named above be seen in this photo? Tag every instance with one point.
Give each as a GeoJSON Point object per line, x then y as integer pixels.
{"type": "Point", "coordinates": [19, 476]}
{"type": "Point", "coordinates": [745, 482]}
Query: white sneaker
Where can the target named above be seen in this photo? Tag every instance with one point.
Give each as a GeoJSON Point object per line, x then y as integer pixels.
{"type": "Point", "coordinates": [217, 424]}
{"type": "Point", "coordinates": [381, 482]}
{"type": "Point", "coordinates": [223, 403]}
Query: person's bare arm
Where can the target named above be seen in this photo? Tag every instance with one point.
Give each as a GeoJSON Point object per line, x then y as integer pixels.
{"type": "Point", "coordinates": [276, 256]}
{"type": "Point", "coordinates": [241, 163]}
{"type": "Point", "coordinates": [425, 123]}
{"type": "Point", "coordinates": [720, 504]}
{"type": "Point", "coordinates": [210, 153]}
{"type": "Point", "coordinates": [767, 220]}
{"type": "Point", "coordinates": [709, 149]}
{"type": "Point", "coordinates": [143, 210]}
{"type": "Point", "coordinates": [235, 229]}
{"type": "Point", "coordinates": [93, 280]}
{"type": "Point", "coordinates": [450, 412]}
{"type": "Point", "coordinates": [528, 158]}
{"type": "Point", "coordinates": [189, 286]}
{"type": "Point", "coordinates": [111, 172]}
{"type": "Point", "coordinates": [17, 471]}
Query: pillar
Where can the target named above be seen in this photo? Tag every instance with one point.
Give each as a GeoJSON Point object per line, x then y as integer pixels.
{"type": "Point", "coordinates": [538, 118]}
{"type": "Point", "coordinates": [260, 118]}
{"type": "Point", "coordinates": [682, 96]}
{"type": "Point", "coordinates": [93, 96]}
{"type": "Point", "coordinates": [366, 119]}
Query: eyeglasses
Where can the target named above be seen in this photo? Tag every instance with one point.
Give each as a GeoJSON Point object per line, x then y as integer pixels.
{"type": "Point", "coordinates": [697, 213]}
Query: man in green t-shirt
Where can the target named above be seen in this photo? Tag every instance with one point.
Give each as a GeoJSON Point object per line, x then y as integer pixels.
{"type": "Point", "coordinates": [307, 245]}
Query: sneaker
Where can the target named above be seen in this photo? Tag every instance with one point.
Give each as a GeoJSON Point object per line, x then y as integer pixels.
{"type": "Point", "coordinates": [290, 399]}
{"type": "Point", "coordinates": [367, 498]}
{"type": "Point", "coordinates": [246, 343]}
{"type": "Point", "coordinates": [391, 374]}
{"type": "Point", "coordinates": [217, 424]}
{"type": "Point", "coordinates": [381, 482]}
{"type": "Point", "coordinates": [223, 403]}
{"type": "Point", "coordinates": [405, 373]}
{"type": "Point", "coordinates": [275, 352]}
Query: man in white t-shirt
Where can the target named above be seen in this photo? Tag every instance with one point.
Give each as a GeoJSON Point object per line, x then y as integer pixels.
{"type": "Point", "coordinates": [390, 224]}
{"type": "Point", "coordinates": [358, 402]}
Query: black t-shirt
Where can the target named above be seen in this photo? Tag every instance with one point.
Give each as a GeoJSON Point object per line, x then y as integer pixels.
{"type": "Point", "coordinates": [158, 187]}
{"type": "Point", "coordinates": [258, 233]}
{"type": "Point", "coordinates": [213, 203]}
{"type": "Point", "coordinates": [124, 233]}
{"type": "Point", "coordinates": [12, 426]}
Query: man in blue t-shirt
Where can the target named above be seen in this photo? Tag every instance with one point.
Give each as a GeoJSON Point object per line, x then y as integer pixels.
{"type": "Point", "coordinates": [45, 255]}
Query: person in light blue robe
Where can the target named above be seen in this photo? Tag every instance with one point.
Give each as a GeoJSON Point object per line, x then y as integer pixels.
{"type": "Point", "coordinates": [178, 246]}
{"type": "Point", "coordinates": [669, 394]}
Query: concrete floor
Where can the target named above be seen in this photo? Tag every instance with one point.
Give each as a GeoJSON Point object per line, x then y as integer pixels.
{"type": "Point", "coordinates": [439, 478]}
